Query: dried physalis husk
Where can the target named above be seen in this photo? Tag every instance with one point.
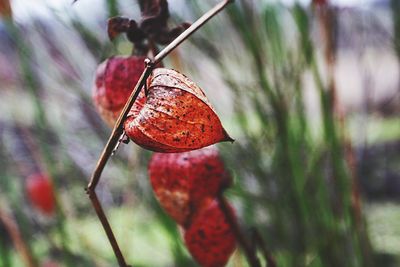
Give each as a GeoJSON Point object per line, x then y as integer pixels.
{"type": "Point", "coordinates": [181, 181]}
{"type": "Point", "coordinates": [210, 238]}
{"type": "Point", "coordinates": [176, 117]}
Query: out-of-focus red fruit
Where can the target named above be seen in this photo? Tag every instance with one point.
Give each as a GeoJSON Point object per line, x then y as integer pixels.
{"type": "Point", "coordinates": [176, 117]}
{"type": "Point", "coordinates": [40, 193]}
{"type": "Point", "coordinates": [50, 263]}
{"type": "Point", "coordinates": [182, 180]}
{"type": "Point", "coordinates": [320, 2]}
{"type": "Point", "coordinates": [115, 79]}
{"type": "Point", "coordinates": [210, 238]}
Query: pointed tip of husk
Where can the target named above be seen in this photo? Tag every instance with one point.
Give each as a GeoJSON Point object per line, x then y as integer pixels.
{"type": "Point", "coordinates": [227, 138]}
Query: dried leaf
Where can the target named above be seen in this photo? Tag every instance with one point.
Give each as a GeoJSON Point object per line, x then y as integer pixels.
{"type": "Point", "coordinates": [117, 25]}
{"type": "Point", "coordinates": [181, 181]}
{"type": "Point", "coordinates": [176, 117]}
{"type": "Point", "coordinates": [115, 80]}
{"type": "Point", "coordinates": [210, 238]}
{"type": "Point", "coordinates": [155, 14]}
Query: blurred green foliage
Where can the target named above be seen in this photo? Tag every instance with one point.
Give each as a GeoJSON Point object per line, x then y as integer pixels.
{"type": "Point", "coordinates": [303, 181]}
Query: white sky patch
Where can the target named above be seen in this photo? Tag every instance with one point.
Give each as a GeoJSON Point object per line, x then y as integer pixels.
{"type": "Point", "coordinates": [24, 10]}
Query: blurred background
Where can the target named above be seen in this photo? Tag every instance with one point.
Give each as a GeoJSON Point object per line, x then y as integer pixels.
{"type": "Point", "coordinates": [310, 91]}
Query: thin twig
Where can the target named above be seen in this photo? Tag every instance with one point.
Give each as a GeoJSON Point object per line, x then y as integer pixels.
{"type": "Point", "coordinates": [105, 155]}
{"type": "Point", "coordinates": [118, 127]}
{"type": "Point", "coordinates": [244, 243]}
{"type": "Point", "coordinates": [189, 31]}
{"type": "Point", "coordinates": [18, 241]}
{"type": "Point", "coordinates": [259, 241]}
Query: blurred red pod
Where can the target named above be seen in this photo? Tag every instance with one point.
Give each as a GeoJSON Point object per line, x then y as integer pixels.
{"type": "Point", "coordinates": [50, 263]}
{"type": "Point", "coordinates": [41, 193]}
{"type": "Point", "coordinates": [182, 180]}
{"type": "Point", "coordinates": [320, 2]}
{"type": "Point", "coordinates": [209, 238]}
{"type": "Point", "coordinates": [115, 79]}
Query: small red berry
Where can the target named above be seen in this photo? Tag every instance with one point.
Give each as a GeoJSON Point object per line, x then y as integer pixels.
{"type": "Point", "coordinates": [182, 180]}
{"type": "Point", "coordinates": [210, 238]}
{"type": "Point", "coordinates": [50, 263]}
{"type": "Point", "coordinates": [114, 82]}
{"type": "Point", "coordinates": [40, 193]}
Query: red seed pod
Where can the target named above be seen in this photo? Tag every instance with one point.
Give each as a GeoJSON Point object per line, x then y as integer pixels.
{"type": "Point", "coordinates": [210, 238]}
{"type": "Point", "coordinates": [40, 193]}
{"type": "Point", "coordinates": [176, 117]}
{"type": "Point", "coordinates": [115, 80]}
{"type": "Point", "coordinates": [320, 2]}
{"type": "Point", "coordinates": [182, 180]}
{"type": "Point", "coordinates": [50, 263]}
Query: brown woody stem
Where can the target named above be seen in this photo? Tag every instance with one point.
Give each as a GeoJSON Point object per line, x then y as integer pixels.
{"type": "Point", "coordinates": [189, 31]}
{"type": "Point", "coordinates": [105, 155]}
{"type": "Point", "coordinates": [259, 241]}
{"type": "Point", "coordinates": [244, 243]}
{"type": "Point", "coordinates": [107, 228]}
{"type": "Point", "coordinates": [12, 228]}
{"type": "Point", "coordinates": [118, 127]}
